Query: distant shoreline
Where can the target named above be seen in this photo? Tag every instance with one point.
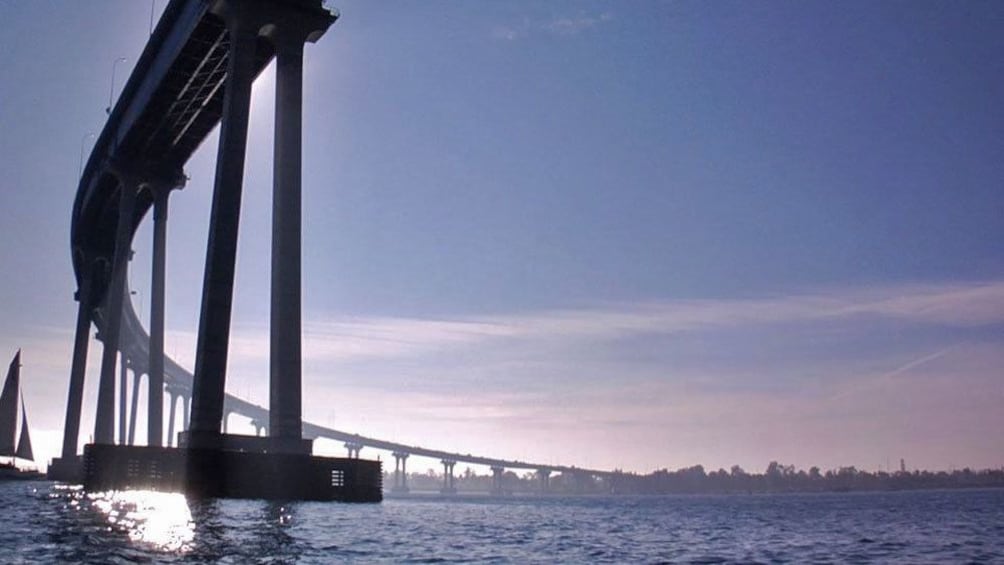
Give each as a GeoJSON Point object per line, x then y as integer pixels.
{"type": "Point", "coordinates": [777, 479]}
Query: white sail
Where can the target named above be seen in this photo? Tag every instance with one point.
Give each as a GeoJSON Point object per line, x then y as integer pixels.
{"type": "Point", "coordinates": [8, 406]}
{"type": "Point", "coordinates": [24, 441]}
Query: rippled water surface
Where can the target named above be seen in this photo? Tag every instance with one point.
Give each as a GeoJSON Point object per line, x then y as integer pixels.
{"type": "Point", "coordinates": [46, 523]}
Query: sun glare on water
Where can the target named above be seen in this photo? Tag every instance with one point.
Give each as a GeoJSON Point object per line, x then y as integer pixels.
{"type": "Point", "coordinates": [159, 519]}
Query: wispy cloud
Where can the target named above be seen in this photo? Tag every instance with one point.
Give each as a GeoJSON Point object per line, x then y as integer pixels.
{"type": "Point", "coordinates": [560, 26]}
{"type": "Point", "coordinates": [577, 24]}
{"type": "Point", "coordinates": [958, 305]}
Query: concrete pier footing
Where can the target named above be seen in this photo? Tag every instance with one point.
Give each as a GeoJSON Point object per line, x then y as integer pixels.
{"type": "Point", "coordinates": [222, 473]}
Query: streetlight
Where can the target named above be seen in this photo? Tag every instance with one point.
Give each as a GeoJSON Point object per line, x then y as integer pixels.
{"type": "Point", "coordinates": [83, 140]}
{"type": "Point", "coordinates": [153, 4]}
{"type": "Point", "coordinates": [111, 89]}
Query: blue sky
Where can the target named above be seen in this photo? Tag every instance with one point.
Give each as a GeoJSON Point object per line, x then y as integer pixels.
{"type": "Point", "coordinates": [635, 235]}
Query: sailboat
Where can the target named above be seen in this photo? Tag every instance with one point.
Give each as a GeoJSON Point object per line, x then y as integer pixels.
{"type": "Point", "coordinates": [8, 426]}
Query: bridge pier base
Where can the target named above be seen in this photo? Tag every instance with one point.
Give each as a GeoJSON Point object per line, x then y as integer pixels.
{"type": "Point", "coordinates": [231, 473]}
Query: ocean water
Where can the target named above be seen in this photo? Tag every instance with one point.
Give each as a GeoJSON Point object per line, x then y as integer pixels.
{"type": "Point", "coordinates": [46, 523]}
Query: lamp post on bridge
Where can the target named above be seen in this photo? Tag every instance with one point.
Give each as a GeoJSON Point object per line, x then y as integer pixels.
{"type": "Point", "coordinates": [111, 87]}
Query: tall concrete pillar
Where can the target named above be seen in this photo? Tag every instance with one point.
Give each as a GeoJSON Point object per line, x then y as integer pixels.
{"type": "Point", "coordinates": [353, 449]}
{"type": "Point", "coordinates": [497, 474]}
{"type": "Point", "coordinates": [221, 252]}
{"type": "Point", "coordinates": [259, 427]}
{"type": "Point", "coordinates": [155, 380]}
{"type": "Point", "coordinates": [545, 480]}
{"type": "Point", "coordinates": [78, 366]}
{"type": "Point", "coordinates": [170, 416]}
{"type": "Point", "coordinates": [448, 483]}
{"type": "Point", "coordinates": [104, 422]}
{"type": "Point", "coordinates": [285, 380]}
{"type": "Point", "coordinates": [186, 411]}
{"type": "Point", "coordinates": [123, 397]}
{"type": "Point", "coordinates": [134, 405]}
{"type": "Point", "coordinates": [400, 472]}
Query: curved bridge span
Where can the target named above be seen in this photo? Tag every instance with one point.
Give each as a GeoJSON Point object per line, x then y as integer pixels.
{"type": "Point", "coordinates": [195, 74]}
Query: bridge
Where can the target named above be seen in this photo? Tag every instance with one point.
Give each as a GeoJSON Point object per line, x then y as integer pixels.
{"type": "Point", "coordinates": [196, 74]}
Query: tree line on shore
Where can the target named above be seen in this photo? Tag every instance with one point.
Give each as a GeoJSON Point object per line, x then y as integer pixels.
{"type": "Point", "coordinates": [786, 478]}
{"type": "Point", "coordinates": [777, 478]}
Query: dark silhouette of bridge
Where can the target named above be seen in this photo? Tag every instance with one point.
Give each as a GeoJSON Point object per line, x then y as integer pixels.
{"type": "Point", "coordinates": [196, 73]}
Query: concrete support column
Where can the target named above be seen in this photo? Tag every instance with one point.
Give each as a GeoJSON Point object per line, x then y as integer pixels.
{"type": "Point", "coordinates": [186, 411]}
{"type": "Point", "coordinates": [353, 449]}
{"type": "Point", "coordinates": [123, 397]}
{"type": "Point", "coordinates": [226, 420]}
{"type": "Point", "coordinates": [78, 366]}
{"type": "Point", "coordinates": [545, 480]}
{"type": "Point", "coordinates": [104, 422]}
{"type": "Point", "coordinates": [259, 427]}
{"type": "Point", "coordinates": [134, 405]}
{"type": "Point", "coordinates": [497, 474]}
{"type": "Point", "coordinates": [448, 482]}
{"type": "Point", "coordinates": [285, 379]}
{"type": "Point", "coordinates": [170, 416]}
{"type": "Point", "coordinates": [155, 382]}
{"type": "Point", "coordinates": [400, 472]}
{"type": "Point", "coordinates": [221, 253]}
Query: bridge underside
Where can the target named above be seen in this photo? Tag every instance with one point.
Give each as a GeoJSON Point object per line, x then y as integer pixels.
{"type": "Point", "coordinates": [194, 75]}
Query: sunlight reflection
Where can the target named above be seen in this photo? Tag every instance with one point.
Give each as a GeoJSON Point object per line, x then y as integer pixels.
{"type": "Point", "coordinates": [161, 519]}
